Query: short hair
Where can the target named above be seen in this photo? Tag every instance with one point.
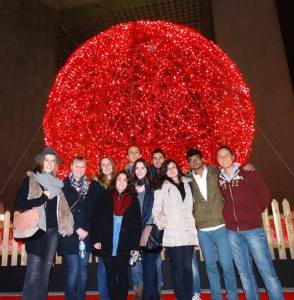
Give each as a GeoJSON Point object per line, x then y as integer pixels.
{"type": "Point", "coordinates": [158, 150]}
{"type": "Point", "coordinates": [77, 158]}
{"type": "Point", "coordinates": [132, 147]}
{"type": "Point", "coordinates": [192, 151]}
{"type": "Point", "coordinates": [226, 148]}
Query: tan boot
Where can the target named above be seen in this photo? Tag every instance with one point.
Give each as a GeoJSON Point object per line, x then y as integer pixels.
{"type": "Point", "coordinates": [138, 292]}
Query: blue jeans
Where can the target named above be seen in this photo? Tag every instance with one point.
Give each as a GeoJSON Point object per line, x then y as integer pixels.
{"type": "Point", "coordinates": [180, 263]}
{"type": "Point", "coordinates": [215, 246]}
{"type": "Point", "coordinates": [102, 280]}
{"type": "Point", "coordinates": [137, 275]}
{"type": "Point", "coordinates": [196, 275]}
{"type": "Point", "coordinates": [159, 271]}
{"type": "Point", "coordinates": [36, 281]}
{"type": "Point", "coordinates": [76, 269]}
{"type": "Point", "coordinates": [250, 244]}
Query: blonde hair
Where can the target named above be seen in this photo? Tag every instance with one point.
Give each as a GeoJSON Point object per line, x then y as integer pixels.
{"type": "Point", "coordinates": [78, 158]}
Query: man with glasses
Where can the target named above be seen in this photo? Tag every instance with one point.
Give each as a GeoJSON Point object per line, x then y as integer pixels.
{"type": "Point", "coordinates": [212, 232]}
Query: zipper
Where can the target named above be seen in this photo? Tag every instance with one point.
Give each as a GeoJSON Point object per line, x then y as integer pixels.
{"type": "Point", "coordinates": [234, 207]}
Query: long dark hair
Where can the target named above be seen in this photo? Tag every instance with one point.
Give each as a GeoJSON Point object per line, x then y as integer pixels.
{"type": "Point", "coordinates": [130, 189]}
{"type": "Point", "coordinates": [148, 177]}
{"type": "Point", "coordinates": [163, 171]}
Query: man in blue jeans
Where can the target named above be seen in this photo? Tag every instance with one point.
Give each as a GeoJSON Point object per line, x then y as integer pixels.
{"type": "Point", "coordinates": [246, 197]}
{"type": "Point", "coordinates": [212, 232]}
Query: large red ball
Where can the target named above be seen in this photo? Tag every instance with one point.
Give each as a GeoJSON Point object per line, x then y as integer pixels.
{"type": "Point", "coordinates": [153, 84]}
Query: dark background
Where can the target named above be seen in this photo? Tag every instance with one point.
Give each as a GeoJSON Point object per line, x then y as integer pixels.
{"type": "Point", "coordinates": [37, 36]}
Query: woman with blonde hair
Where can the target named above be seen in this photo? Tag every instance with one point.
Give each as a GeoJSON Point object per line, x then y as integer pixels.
{"type": "Point", "coordinates": [75, 248]}
{"type": "Point", "coordinates": [43, 188]}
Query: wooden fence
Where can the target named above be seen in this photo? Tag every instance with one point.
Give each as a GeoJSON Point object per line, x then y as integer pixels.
{"type": "Point", "coordinates": [278, 228]}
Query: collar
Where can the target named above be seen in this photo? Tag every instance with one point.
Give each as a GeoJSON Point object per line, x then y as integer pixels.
{"type": "Point", "coordinates": [235, 171]}
{"type": "Point", "coordinates": [204, 173]}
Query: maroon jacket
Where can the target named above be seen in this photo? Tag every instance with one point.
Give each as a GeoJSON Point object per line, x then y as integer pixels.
{"type": "Point", "coordinates": [246, 197]}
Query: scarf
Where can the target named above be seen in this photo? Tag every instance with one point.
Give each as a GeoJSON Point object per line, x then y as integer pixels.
{"type": "Point", "coordinates": [50, 183]}
{"type": "Point", "coordinates": [81, 186]}
{"type": "Point", "coordinates": [180, 187]}
{"type": "Point", "coordinates": [121, 202]}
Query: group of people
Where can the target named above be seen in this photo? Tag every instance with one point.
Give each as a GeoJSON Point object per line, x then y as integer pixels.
{"type": "Point", "coordinates": [217, 209]}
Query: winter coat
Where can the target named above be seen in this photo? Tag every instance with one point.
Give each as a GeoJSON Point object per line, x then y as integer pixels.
{"type": "Point", "coordinates": [56, 211]}
{"type": "Point", "coordinates": [178, 221]}
{"type": "Point", "coordinates": [80, 211]}
{"type": "Point", "coordinates": [102, 227]}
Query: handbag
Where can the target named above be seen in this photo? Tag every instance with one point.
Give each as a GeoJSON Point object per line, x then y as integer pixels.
{"type": "Point", "coordinates": [27, 223]}
{"type": "Point", "coordinates": [151, 238]}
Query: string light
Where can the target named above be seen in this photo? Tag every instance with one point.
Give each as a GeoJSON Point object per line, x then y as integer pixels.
{"type": "Point", "coordinates": [152, 84]}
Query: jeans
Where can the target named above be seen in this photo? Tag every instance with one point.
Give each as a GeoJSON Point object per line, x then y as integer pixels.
{"type": "Point", "coordinates": [159, 271]}
{"type": "Point", "coordinates": [76, 276]}
{"type": "Point", "coordinates": [117, 276]}
{"type": "Point", "coordinates": [137, 274]}
{"type": "Point", "coordinates": [102, 280]}
{"type": "Point", "coordinates": [150, 285]}
{"type": "Point", "coordinates": [196, 275]}
{"type": "Point", "coordinates": [180, 262]}
{"type": "Point", "coordinates": [250, 244]}
{"type": "Point", "coordinates": [38, 268]}
{"type": "Point", "coordinates": [215, 246]}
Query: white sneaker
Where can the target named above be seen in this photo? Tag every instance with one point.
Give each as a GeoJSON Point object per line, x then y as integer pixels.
{"type": "Point", "coordinates": [196, 297]}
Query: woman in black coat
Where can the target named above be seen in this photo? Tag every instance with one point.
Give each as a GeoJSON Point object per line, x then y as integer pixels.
{"type": "Point", "coordinates": [75, 248]}
{"type": "Point", "coordinates": [116, 231]}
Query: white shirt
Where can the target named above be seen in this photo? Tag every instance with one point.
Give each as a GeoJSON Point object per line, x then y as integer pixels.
{"type": "Point", "coordinates": [202, 182]}
{"type": "Point", "coordinates": [202, 185]}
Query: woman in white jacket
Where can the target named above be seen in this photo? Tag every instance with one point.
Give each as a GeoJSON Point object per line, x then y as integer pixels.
{"type": "Point", "coordinates": [172, 211]}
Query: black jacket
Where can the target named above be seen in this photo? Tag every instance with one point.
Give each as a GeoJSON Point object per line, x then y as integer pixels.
{"type": "Point", "coordinates": [102, 227]}
{"type": "Point", "coordinates": [70, 244]}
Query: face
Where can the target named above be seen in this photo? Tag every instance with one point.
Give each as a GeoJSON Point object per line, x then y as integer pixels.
{"type": "Point", "coordinates": [121, 182]}
{"type": "Point", "coordinates": [225, 158]}
{"type": "Point", "coordinates": [106, 166]}
{"type": "Point", "coordinates": [140, 170]}
{"type": "Point", "coordinates": [133, 154]}
{"type": "Point", "coordinates": [172, 171]}
{"type": "Point", "coordinates": [49, 163]}
{"type": "Point", "coordinates": [78, 169]}
{"type": "Point", "coordinates": [195, 162]}
{"type": "Point", "coordinates": [157, 160]}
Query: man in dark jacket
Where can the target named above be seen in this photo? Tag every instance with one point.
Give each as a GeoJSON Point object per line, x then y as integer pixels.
{"type": "Point", "coordinates": [212, 232]}
{"type": "Point", "coordinates": [246, 197]}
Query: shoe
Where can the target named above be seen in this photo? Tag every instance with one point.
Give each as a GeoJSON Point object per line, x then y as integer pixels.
{"type": "Point", "coordinates": [138, 292]}
{"type": "Point", "coordinates": [196, 297]}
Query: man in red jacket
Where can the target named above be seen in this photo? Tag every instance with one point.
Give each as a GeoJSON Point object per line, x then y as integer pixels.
{"type": "Point", "coordinates": [246, 197]}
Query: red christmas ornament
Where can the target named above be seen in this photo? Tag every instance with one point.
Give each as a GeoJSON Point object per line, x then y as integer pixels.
{"type": "Point", "coordinates": [152, 84]}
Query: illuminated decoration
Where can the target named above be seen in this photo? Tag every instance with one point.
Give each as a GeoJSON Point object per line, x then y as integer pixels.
{"type": "Point", "coordinates": [152, 84]}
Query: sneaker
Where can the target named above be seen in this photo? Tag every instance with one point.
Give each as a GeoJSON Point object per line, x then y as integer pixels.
{"type": "Point", "coordinates": [196, 297]}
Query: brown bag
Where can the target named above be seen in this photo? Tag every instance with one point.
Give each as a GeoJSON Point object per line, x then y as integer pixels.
{"type": "Point", "coordinates": [27, 223]}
